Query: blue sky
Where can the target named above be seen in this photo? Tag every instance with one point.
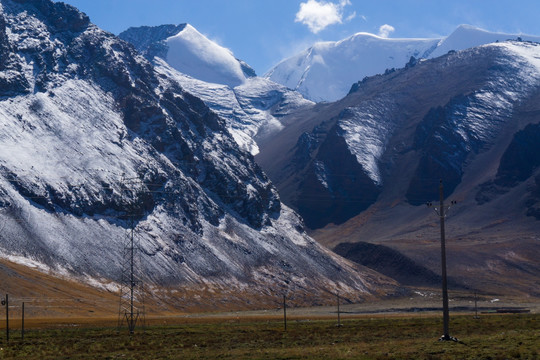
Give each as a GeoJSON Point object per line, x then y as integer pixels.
{"type": "Point", "coordinates": [262, 32]}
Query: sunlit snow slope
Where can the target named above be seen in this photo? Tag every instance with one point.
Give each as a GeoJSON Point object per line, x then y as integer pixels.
{"type": "Point", "coordinates": [326, 71]}
{"type": "Point", "coordinates": [195, 55]}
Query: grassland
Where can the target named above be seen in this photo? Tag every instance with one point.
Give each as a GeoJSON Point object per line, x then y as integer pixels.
{"type": "Point", "coordinates": [515, 336]}
{"type": "Point", "coordinates": [67, 320]}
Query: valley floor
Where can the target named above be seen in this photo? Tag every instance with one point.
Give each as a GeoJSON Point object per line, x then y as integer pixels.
{"type": "Point", "coordinates": [50, 300]}
{"type": "Point", "coordinates": [66, 320]}
{"type": "Point", "coordinates": [368, 337]}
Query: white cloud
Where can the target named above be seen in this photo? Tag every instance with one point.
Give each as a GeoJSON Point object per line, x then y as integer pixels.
{"type": "Point", "coordinates": [385, 30]}
{"type": "Point", "coordinates": [318, 14]}
{"type": "Point", "coordinates": [350, 17]}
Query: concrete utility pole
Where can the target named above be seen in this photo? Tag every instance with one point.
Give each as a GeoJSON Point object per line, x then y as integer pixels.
{"type": "Point", "coordinates": [441, 211]}
{"type": "Point", "coordinates": [22, 321]}
{"type": "Point", "coordinates": [285, 311]}
{"type": "Point", "coordinates": [5, 302]}
{"type": "Point", "coordinates": [338, 312]}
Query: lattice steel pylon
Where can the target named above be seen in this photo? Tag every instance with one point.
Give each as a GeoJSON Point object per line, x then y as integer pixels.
{"type": "Point", "coordinates": [131, 310]}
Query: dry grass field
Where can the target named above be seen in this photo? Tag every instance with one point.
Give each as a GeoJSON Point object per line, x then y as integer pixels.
{"type": "Point", "coordinates": [67, 320]}
{"type": "Point", "coordinates": [401, 328]}
{"type": "Point", "coordinates": [515, 336]}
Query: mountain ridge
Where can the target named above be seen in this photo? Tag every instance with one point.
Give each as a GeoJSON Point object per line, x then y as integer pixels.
{"type": "Point", "coordinates": [94, 138]}
{"type": "Point", "coordinates": [362, 168]}
{"type": "Point", "coordinates": [252, 107]}
{"type": "Point", "coordinates": [326, 71]}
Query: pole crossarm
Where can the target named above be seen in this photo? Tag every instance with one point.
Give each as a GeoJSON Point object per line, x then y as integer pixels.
{"type": "Point", "coordinates": [445, 208]}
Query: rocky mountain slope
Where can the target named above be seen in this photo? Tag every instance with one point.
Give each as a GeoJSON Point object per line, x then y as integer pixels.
{"type": "Point", "coordinates": [362, 168]}
{"type": "Point", "coordinates": [326, 71]}
{"type": "Point", "coordinates": [251, 106]}
{"type": "Point", "coordinates": [95, 140]}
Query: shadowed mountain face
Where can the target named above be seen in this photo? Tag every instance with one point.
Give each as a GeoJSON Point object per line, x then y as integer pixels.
{"type": "Point", "coordinates": [94, 140]}
{"type": "Point", "coordinates": [362, 168]}
{"type": "Point", "coordinates": [389, 262]}
{"type": "Point", "coordinates": [403, 131]}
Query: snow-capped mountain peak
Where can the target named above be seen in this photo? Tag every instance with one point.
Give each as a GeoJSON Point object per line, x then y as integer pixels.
{"type": "Point", "coordinates": [194, 54]}
{"type": "Point", "coordinates": [251, 106]}
{"type": "Point", "coordinates": [467, 36]}
{"type": "Point", "coordinates": [325, 71]}
{"type": "Point", "coordinates": [190, 52]}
